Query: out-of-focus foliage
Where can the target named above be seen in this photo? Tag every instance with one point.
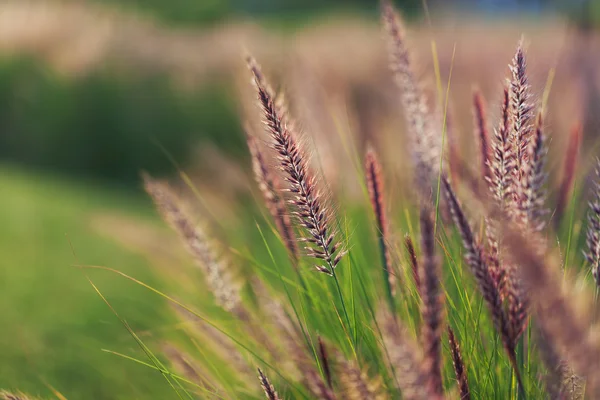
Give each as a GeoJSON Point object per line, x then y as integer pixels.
{"type": "Point", "coordinates": [106, 125]}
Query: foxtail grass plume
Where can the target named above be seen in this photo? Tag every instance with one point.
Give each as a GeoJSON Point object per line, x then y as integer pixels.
{"type": "Point", "coordinates": [592, 253]}
{"type": "Point", "coordinates": [521, 111]}
{"type": "Point", "coordinates": [267, 387]}
{"type": "Point", "coordinates": [376, 195]}
{"type": "Point", "coordinates": [459, 367]}
{"type": "Point", "coordinates": [425, 139]}
{"type": "Point", "coordinates": [270, 187]}
{"type": "Point", "coordinates": [432, 305]}
{"type": "Point", "coordinates": [217, 273]}
{"type": "Point", "coordinates": [308, 199]}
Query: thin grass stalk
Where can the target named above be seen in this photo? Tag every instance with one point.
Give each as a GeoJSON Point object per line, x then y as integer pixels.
{"type": "Point", "coordinates": [267, 387]}
{"type": "Point", "coordinates": [271, 191]}
{"type": "Point", "coordinates": [414, 263]}
{"type": "Point", "coordinates": [460, 370]}
{"type": "Point", "coordinates": [482, 133]}
{"type": "Point", "coordinates": [376, 193]}
{"type": "Point", "coordinates": [432, 305]}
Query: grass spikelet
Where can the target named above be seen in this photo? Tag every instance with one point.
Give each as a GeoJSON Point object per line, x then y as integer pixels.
{"type": "Point", "coordinates": [271, 190]}
{"type": "Point", "coordinates": [592, 253]}
{"type": "Point", "coordinates": [407, 360]}
{"type": "Point", "coordinates": [459, 367]}
{"type": "Point", "coordinates": [432, 305]}
{"type": "Point", "coordinates": [477, 262]}
{"type": "Point", "coordinates": [482, 133]}
{"type": "Point", "coordinates": [414, 263]}
{"type": "Point", "coordinates": [268, 388]}
{"type": "Point", "coordinates": [376, 193]}
{"type": "Point", "coordinates": [307, 197]}
{"type": "Point", "coordinates": [317, 386]}
{"type": "Point", "coordinates": [569, 170]}
{"type": "Point", "coordinates": [426, 143]}
{"type": "Point", "coordinates": [217, 275]}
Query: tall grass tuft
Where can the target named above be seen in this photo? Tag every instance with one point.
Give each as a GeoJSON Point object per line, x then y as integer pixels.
{"type": "Point", "coordinates": [489, 273]}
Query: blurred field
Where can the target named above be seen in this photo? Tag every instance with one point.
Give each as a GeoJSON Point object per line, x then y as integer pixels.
{"type": "Point", "coordinates": [53, 324]}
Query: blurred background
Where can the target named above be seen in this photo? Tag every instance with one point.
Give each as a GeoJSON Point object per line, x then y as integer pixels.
{"type": "Point", "coordinates": [94, 91]}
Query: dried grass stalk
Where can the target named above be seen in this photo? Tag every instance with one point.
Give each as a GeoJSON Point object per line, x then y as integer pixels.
{"type": "Point", "coordinates": [271, 190]}
{"type": "Point", "coordinates": [569, 171]}
{"type": "Point", "coordinates": [376, 194]}
{"type": "Point", "coordinates": [268, 388]}
{"type": "Point", "coordinates": [308, 200]}
{"type": "Point", "coordinates": [459, 366]}
{"type": "Point", "coordinates": [432, 305]}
